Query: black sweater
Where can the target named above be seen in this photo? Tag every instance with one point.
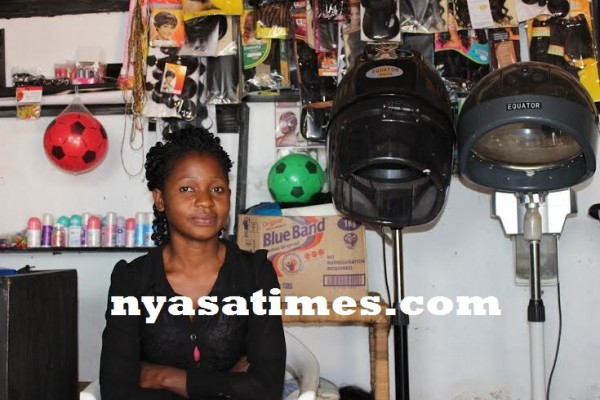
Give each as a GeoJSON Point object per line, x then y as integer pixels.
{"type": "Point", "coordinates": [220, 339]}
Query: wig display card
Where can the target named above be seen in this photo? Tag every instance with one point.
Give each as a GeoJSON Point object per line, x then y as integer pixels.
{"type": "Point", "coordinates": [173, 85]}
{"type": "Point", "coordinates": [173, 79]}
{"type": "Point", "coordinates": [166, 28]}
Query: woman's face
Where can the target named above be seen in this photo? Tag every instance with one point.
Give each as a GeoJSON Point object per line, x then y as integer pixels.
{"type": "Point", "coordinates": [195, 199]}
{"type": "Point", "coordinates": [165, 31]}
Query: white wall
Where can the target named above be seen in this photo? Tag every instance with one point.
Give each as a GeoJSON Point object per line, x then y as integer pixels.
{"type": "Point", "coordinates": [465, 253]}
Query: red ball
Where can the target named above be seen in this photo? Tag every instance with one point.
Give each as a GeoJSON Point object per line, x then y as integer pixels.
{"type": "Point", "coordinates": [76, 142]}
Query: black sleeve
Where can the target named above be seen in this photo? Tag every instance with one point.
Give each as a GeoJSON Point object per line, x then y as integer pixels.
{"type": "Point", "coordinates": [265, 344]}
{"type": "Point", "coordinates": [120, 356]}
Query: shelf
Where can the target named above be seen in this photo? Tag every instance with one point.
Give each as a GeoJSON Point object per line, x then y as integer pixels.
{"type": "Point", "coordinates": [51, 8]}
{"type": "Point", "coordinates": [284, 95]}
{"type": "Point", "coordinates": [60, 250]}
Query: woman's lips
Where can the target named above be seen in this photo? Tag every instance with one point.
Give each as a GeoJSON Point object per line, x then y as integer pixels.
{"type": "Point", "coordinates": [203, 220]}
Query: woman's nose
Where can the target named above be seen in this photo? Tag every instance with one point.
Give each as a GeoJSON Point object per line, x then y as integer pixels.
{"type": "Point", "coordinates": [203, 198]}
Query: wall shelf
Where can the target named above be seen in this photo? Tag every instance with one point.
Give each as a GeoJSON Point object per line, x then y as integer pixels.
{"type": "Point", "coordinates": [51, 8]}
{"type": "Point", "coordinates": [60, 250]}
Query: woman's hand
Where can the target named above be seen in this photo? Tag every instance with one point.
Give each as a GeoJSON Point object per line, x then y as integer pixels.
{"type": "Point", "coordinates": [154, 376]}
{"type": "Point", "coordinates": [151, 375]}
{"type": "Point", "coordinates": [241, 365]}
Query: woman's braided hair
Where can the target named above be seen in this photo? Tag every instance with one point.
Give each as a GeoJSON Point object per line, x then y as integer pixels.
{"type": "Point", "coordinates": [163, 156]}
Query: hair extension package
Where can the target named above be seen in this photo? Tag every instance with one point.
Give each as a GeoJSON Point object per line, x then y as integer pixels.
{"type": "Point", "coordinates": [272, 19]}
{"type": "Point", "coordinates": [480, 14]}
{"type": "Point", "coordinates": [419, 16]}
{"type": "Point", "coordinates": [317, 81]}
{"type": "Point", "coordinates": [580, 46]}
{"type": "Point", "coordinates": [223, 71]}
{"type": "Point", "coordinates": [201, 8]}
{"type": "Point", "coordinates": [265, 60]}
{"type": "Point", "coordinates": [568, 42]}
{"type": "Point", "coordinates": [462, 59]}
{"type": "Point", "coordinates": [173, 84]}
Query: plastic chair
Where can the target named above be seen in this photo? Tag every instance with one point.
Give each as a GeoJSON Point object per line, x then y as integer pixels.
{"type": "Point", "coordinates": [300, 362]}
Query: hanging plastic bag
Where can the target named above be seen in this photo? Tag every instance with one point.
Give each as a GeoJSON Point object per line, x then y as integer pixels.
{"type": "Point", "coordinates": [75, 141]}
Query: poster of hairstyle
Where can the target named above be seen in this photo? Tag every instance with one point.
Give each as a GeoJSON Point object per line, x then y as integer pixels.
{"type": "Point", "coordinates": [166, 28]}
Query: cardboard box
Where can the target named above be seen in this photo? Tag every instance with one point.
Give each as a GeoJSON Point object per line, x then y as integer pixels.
{"type": "Point", "coordinates": [312, 256]}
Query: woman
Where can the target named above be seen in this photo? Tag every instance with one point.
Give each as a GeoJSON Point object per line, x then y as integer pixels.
{"type": "Point", "coordinates": [192, 356]}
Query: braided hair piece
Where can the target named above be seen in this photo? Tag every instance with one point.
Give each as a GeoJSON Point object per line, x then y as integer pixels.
{"type": "Point", "coordinates": [163, 156]}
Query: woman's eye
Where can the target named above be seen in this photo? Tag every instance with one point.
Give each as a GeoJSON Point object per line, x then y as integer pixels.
{"type": "Point", "coordinates": [218, 189]}
{"type": "Point", "coordinates": [185, 189]}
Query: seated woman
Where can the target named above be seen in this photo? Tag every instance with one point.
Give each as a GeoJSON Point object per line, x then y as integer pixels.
{"type": "Point", "coordinates": [210, 354]}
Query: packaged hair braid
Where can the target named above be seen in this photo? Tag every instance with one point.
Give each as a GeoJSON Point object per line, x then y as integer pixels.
{"type": "Point", "coordinates": [503, 13]}
{"type": "Point", "coordinates": [579, 44]}
{"type": "Point", "coordinates": [257, 76]}
{"type": "Point", "coordinates": [270, 73]}
{"type": "Point", "coordinates": [272, 18]}
{"type": "Point", "coordinates": [352, 45]}
{"type": "Point", "coordinates": [529, 9]}
{"type": "Point", "coordinates": [303, 22]}
{"type": "Point", "coordinates": [462, 59]}
{"type": "Point", "coordinates": [581, 47]}
{"type": "Point", "coordinates": [202, 35]}
{"type": "Point", "coordinates": [326, 34]}
{"type": "Point", "coordinates": [485, 14]}
{"type": "Point", "coordinates": [316, 92]}
{"type": "Point", "coordinates": [202, 8]}
{"type": "Point", "coordinates": [548, 42]}
{"type": "Point", "coordinates": [229, 33]}
{"type": "Point", "coordinates": [424, 44]}
{"type": "Point", "coordinates": [328, 17]}
{"type": "Point", "coordinates": [313, 88]}
{"type": "Point", "coordinates": [420, 16]}
{"type": "Point", "coordinates": [223, 71]}
{"type": "Point", "coordinates": [223, 80]}
{"type": "Point", "coordinates": [460, 12]}
{"type": "Point", "coordinates": [539, 38]}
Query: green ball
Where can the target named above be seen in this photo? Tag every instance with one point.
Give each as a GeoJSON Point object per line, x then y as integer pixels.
{"type": "Point", "coordinates": [295, 178]}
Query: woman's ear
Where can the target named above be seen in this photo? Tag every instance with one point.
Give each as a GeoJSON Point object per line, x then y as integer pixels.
{"type": "Point", "coordinates": [158, 200]}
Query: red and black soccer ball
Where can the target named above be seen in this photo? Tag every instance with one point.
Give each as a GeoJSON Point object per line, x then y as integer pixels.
{"type": "Point", "coordinates": [76, 142]}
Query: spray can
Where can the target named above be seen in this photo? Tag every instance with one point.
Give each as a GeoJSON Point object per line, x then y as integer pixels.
{"type": "Point", "coordinates": [85, 217]}
{"type": "Point", "coordinates": [110, 238]}
{"type": "Point", "coordinates": [47, 222]}
{"type": "Point", "coordinates": [74, 231]}
{"type": "Point", "coordinates": [59, 232]}
{"type": "Point", "coordinates": [34, 232]}
{"type": "Point", "coordinates": [149, 217]}
{"type": "Point", "coordinates": [59, 235]}
{"type": "Point", "coordinates": [139, 229]}
{"type": "Point", "coordinates": [130, 232]}
{"type": "Point", "coordinates": [93, 231]}
{"type": "Point", "coordinates": [120, 236]}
